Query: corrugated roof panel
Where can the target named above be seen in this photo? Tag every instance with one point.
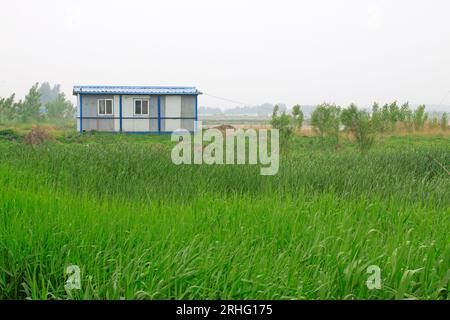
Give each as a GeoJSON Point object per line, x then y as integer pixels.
{"type": "Point", "coordinates": [135, 90]}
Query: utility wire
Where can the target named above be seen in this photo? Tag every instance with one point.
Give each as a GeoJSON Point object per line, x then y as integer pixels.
{"type": "Point", "coordinates": [227, 99]}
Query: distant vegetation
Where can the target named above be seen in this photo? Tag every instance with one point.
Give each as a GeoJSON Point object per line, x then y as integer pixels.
{"type": "Point", "coordinates": [42, 103]}
{"type": "Point", "coordinates": [262, 110]}
{"type": "Point", "coordinates": [330, 120]}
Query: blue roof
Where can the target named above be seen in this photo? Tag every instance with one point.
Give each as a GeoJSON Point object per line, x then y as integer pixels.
{"type": "Point", "coordinates": [135, 90]}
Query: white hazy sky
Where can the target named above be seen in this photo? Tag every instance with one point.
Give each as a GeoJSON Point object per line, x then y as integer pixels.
{"type": "Point", "coordinates": [302, 52]}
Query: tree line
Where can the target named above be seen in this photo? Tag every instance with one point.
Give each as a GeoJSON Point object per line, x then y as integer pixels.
{"type": "Point", "coordinates": [329, 120]}
{"type": "Point", "coordinates": [42, 103]}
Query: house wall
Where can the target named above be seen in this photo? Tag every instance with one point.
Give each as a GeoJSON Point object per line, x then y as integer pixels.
{"type": "Point", "coordinates": [176, 111]}
{"type": "Point", "coordinates": [93, 121]}
{"type": "Point", "coordinates": [188, 110]}
{"type": "Point", "coordinates": [139, 123]}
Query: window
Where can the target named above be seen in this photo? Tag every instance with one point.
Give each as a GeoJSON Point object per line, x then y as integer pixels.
{"type": "Point", "coordinates": [105, 107]}
{"type": "Point", "coordinates": [140, 107]}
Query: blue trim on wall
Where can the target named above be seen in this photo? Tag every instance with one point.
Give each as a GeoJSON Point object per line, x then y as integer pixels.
{"type": "Point", "coordinates": [140, 132]}
{"type": "Point", "coordinates": [148, 132]}
{"type": "Point", "coordinates": [159, 113]}
{"type": "Point", "coordinates": [134, 87]}
{"type": "Point", "coordinates": [81, 112]}
{"type": "Point", "coordinates": [120, 112]}
{"type": "Point", "coordinates": [136, 118]}
{"type": "Point", "coordinates": [196, 114]}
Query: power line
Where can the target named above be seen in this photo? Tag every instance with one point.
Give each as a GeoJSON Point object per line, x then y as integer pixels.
{"type": "Point", "coordinates": [227, 99]}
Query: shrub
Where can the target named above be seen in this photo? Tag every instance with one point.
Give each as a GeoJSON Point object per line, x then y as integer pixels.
{"type": "Point", "coordinates": [37, 135]}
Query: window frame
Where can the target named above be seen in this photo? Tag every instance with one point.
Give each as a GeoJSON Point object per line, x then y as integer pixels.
{"type": "Point", "coordinates": [141, 100]}
{"type": "Point", "coordinates": [105, 114]}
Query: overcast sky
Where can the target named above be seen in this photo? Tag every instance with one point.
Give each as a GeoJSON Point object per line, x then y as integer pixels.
{"type": "Point", "coordinates": [252, 52]}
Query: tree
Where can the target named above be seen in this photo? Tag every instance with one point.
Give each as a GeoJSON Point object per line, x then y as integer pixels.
{"type": "Point", "coordinates": [319, 119]}
{"type": "Point", "coordinates": [420, 117]}
{"type": "Point", "coordinates": [433, 123]}
{"type": "Point", "coordinates": [284, 123]}
{"type": "Point", "coordinates": [385, 118]}
{"type": "Point", "coordinates": [403, 111]}
{"type": "Point", "coordinates": [7, 108]}
{"type": "Point", "coordinates": [297, 116]}
{"type": "Point", "coordinates": [60, 108]}
{"type": "Point", "coordinates": [325, 119]}
{"type": "Point", "coordinates": [406, 116]}
{"type": "Point", "coordinates": [349, 117]}
{"type": "Point", "coordinates": [29, 108]}
{"type": "Point", "coordinates": [275, 111]}
{"type": "Point", "coordinates": [360, 125]}
{"type": "Point", "coordinates": [364, 131]}
{"type": "Point", "coordinates": [444, 122]}
{"type": "Point", "coordinates": [377, 118]}
{"type": "Point", "coordinates": [48, 94]}
{"type": "Point", "coordinates": [394, 115]}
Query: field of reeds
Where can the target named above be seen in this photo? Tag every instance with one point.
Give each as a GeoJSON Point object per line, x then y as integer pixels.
{"type": "Point", "coordinates": [140, 227]}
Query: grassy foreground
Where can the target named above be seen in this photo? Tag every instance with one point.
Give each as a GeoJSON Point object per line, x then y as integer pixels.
{"type": "Point", "coordinates": [140, 227]}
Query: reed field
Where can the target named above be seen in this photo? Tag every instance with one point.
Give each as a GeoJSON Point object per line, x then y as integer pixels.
{"type": "Point", "coordinates": [140, 227]}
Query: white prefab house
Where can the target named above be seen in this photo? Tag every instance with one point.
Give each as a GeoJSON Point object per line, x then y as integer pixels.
{"type": "Point", "coordinates": [142, 109]}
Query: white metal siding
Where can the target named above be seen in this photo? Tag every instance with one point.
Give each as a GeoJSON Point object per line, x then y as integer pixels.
{"type": "Point", "coordinates": [136, 125]}
{"type": "Point", "coordinates": [173, 109]}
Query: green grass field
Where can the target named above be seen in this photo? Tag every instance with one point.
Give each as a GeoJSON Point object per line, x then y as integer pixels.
{"type": "Point", "coordinates": [140, 227]}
